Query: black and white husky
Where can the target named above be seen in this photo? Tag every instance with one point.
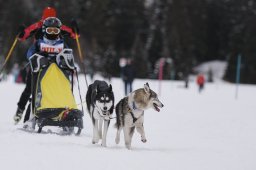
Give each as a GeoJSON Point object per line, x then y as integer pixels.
{"type": "Point", "coordinates": [100, 104]}
{"type": "Point", "coordinates": [130, 113]}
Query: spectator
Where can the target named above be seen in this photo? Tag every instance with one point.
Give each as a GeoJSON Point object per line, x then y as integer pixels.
{"type": "Point", "coordinates": [200, 82]}
{"type": "Point", "coordinates": [128, 74]}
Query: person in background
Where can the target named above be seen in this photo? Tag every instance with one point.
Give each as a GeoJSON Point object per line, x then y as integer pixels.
{"type": "Point", "coordinates": [3, 76]}
{"type": "Point", "coordinates": [128, 75]}
{"type": "Point", "coordinates": [15, 72]}
{"type": "Point", "coordinates": [200, 82]}
{"type": "Point", "coordinates": [186, 80]}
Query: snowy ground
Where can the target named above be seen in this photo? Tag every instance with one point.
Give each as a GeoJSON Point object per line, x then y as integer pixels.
{"type": "Point", "coordinates": [207, 131]}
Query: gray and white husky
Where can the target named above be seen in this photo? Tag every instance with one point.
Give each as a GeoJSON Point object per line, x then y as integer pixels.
{"type": "Point", "coordinates": [130, 113]}
{"type": "Point", "coordinates": [100, 104]}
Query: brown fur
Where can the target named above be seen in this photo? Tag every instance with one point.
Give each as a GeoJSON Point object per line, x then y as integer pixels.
{"type": "Point", "coordinates": [141, 97]}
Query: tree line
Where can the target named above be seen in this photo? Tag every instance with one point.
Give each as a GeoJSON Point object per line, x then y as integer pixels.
{"type": "Point", "coordinates": [186, 33]}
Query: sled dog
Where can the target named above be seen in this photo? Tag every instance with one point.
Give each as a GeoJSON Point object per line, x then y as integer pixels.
{"type": "Point", "coordinates": [100, 104]}
{"type": "Point", "coordinates": [130, 113]}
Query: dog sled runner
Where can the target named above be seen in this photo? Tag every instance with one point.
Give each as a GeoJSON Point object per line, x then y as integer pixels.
{"type": "Point", "coordinates": [53, 103]}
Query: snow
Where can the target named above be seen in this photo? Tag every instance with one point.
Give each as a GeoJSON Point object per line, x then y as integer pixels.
{"type": "Point", "coordinates": [193, 131]}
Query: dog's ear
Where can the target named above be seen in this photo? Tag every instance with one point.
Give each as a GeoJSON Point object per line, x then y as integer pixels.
{"type": "Point", "coordinates": [110, 88]}
{"type": "Point", "coordinates": [147, 85]}
{"type": "Point", "coordinates": [147, 88]}
{"type": "Point", "coordinates": [97, 89]}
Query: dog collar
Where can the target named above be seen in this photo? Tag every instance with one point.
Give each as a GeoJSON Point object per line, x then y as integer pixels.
{"type": "Point", "coordinates": [134, 106]}
{"type": "Point", "coordinates": [102, 116]}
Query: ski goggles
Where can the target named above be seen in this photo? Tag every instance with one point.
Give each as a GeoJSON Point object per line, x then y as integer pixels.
{"type": "Point", "coordinates": [52, 30]}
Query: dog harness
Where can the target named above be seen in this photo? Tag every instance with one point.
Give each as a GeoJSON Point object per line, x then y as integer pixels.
{"type": "Point", "coordinates": [134, 119]}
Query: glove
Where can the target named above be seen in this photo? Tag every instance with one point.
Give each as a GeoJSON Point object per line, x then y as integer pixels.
{"type": "Point", "coordinates": [17, 117]}
{"type": "Point", "coordinates": [21, 31]}
{"type": "Point", "coordinates": [75, 26]}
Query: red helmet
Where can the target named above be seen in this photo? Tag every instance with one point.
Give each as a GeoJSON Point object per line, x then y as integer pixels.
{"type": "Point", "coordinates": [48, 12]}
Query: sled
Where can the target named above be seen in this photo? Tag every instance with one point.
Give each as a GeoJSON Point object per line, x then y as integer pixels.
{"type": "Point", "coordinates": [53, 103]}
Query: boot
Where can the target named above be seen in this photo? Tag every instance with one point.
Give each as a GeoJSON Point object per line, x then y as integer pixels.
{"type": "Point", "coordinates": [30, 124]}
{"type": "Point", "coordinates": [17, 117]}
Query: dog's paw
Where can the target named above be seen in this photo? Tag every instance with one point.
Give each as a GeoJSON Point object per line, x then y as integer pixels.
{"type": "Point", "coordinates": [117, 140]}
{"type": "Point", "coordinates": [144, 140]}
{"type": "Point", "coordinates": [104, 145]}
{"type": "Point", "coordinates": [128, 147]}
{"type": "Point", "coordinates": [95, 141]}
{"type": "Point", "coordinates": [100, 136]}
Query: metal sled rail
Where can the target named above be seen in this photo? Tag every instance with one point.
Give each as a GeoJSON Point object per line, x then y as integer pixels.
{"type": "Point", "coordinates": [48, 122]}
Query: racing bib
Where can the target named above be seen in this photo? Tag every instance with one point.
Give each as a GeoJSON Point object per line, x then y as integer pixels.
{"type": "Point", "coordinates": [51, 48]}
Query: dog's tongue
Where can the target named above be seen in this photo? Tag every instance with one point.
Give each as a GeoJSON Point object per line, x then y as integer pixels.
{"type": "Point", "coordinates": [157, 109]}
